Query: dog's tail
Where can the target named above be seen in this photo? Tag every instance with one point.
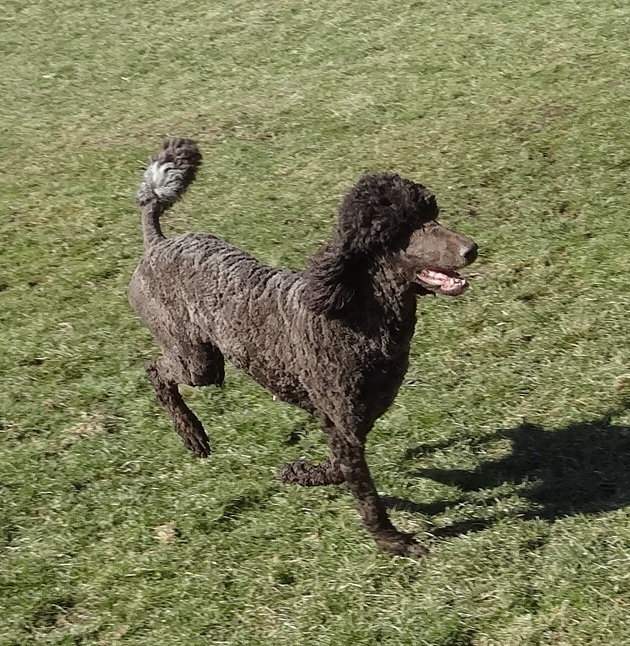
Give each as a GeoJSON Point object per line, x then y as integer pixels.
{"type": "Point", "coordinates": [170, 172]}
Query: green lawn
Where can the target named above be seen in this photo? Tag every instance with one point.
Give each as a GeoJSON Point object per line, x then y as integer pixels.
{"type": "Point", "coordinates": [508, 448]}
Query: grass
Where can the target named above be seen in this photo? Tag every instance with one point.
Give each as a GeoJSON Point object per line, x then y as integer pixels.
{"type": "Point", "coordinates": [508, 448]}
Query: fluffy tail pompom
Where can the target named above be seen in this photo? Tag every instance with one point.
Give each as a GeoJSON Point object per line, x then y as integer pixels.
{"type": "Point", "coordinates": [172, 169]}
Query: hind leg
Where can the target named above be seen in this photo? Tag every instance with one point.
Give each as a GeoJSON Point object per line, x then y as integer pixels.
{"type": "Point", "coordinates": [202, 367]}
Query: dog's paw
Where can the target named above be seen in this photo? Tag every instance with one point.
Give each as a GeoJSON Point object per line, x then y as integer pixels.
{"type": "Point", "coordinates": [198, 446]}
{"type": "Point", "coordinates": [305, 474]}
{"type": "Point", "coordinates": [293, 472]}
{"type": "Point", "coordinates": [415, 550]}
{"type": "Point", "coordinates": [301, 473]}
{"type": "Point", "coordinates": [402, 545]}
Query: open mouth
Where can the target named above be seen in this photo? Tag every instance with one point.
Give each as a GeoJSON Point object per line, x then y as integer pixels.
{"type": "Point", "coordinates": [442, 281]}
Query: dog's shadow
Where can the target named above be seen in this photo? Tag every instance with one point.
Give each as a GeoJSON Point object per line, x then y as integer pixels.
{"type": "Point", "coordinates": [583, 468]}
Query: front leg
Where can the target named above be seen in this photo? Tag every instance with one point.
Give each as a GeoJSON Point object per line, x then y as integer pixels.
{"type": "Point", "coordinates": [349, 452]}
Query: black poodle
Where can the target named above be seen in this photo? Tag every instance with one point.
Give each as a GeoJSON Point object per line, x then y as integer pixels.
{"type": "Point", "coordinates": [333, 339]}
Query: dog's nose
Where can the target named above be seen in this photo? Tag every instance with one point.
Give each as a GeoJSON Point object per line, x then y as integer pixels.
{"type": "Point", "coordinates": [469, 251]}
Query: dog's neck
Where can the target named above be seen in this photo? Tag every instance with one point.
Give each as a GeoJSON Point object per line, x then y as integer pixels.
{"type": "Point", "coordinates": [369, 292]}
{"type": "Point", "coordinates": [392, 297]}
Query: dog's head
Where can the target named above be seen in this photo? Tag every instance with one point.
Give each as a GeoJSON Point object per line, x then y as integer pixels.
{"type": "Point", "coordinates": [386, 220]}
{"type": "Point", "coordinates": [433, 256]}
{"type": "Point", "coordinates": [389, 216]}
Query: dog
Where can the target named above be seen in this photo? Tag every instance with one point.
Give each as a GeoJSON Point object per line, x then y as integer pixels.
{"type": "Point", "coordinates": [332, 339]}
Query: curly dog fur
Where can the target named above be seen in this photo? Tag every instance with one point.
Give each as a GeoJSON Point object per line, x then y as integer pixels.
{"type": "Point", "coordinates": [333, 339]}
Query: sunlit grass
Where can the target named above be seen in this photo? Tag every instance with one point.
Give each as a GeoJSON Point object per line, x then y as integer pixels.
{"type": "Point", "coordinates": [508, 448]}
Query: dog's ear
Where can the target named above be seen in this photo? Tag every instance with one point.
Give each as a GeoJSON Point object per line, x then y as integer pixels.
{"type": "Point", "coordinates": [333, 281]}
{"type": "Point", "coordinates": [376, 217]}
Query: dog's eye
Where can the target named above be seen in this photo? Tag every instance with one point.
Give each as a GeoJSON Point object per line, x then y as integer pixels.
{"type": "Point", "coordinates": [384, 202]}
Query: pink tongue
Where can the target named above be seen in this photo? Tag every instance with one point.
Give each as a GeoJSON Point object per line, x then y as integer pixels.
{"type": "Point", "coordinates": [439, 279]}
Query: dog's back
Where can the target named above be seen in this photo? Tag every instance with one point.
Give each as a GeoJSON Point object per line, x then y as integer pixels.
{"type": "Point", "coordinates": [194, 289]}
